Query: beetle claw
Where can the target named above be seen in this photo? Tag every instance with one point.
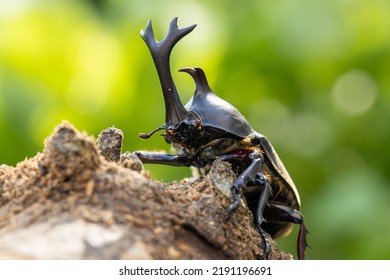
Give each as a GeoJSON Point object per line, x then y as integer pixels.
{"type": "Point", "coordinates": [236, 201]}
{"type": "Point", "coordinates": [266, 248]}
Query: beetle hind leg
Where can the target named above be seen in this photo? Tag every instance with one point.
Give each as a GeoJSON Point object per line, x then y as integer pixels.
{"type": "Point", "coordinates": [284, 214]}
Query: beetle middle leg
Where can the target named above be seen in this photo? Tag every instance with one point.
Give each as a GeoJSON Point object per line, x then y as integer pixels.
{"type": "Point", "coordinates": [262, 203]}
{"type": "Point", "coordinates": [248, 175]}
{"type": "Point", "coordinates": [251, 175]}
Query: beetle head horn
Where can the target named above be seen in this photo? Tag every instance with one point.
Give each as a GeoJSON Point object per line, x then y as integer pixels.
{"type": "Point", "coordinates": [175, 112]}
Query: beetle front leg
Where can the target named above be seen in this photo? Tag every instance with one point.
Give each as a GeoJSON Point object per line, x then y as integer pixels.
{"type": "Point", "coordinates": [168, 159]}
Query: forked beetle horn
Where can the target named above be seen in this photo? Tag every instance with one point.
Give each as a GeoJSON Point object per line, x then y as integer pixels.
{"type": "Point", "coordinates": [160, 51]}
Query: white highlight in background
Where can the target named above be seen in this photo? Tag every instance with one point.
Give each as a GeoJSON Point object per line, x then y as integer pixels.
{"type": "Point", "coordinates": [354, 93]}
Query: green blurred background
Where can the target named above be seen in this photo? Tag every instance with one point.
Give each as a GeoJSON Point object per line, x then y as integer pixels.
{"type": "Point", "coordinates": [313, 76]}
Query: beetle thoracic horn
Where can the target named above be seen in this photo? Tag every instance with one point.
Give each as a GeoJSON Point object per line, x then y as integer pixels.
{"type": "Point", "coordinates": [202, 86]}
{"type": "Point", "coordinates": [160, 51]}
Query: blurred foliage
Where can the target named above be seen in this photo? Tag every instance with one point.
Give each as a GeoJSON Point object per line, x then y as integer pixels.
{"type": "Point", "coordinates": [311, 75]}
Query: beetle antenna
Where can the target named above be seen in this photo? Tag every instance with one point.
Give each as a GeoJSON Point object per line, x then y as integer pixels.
{"type": "Point", "coordinates": [148, 135]}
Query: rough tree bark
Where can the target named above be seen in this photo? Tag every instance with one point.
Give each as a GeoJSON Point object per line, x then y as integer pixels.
{"type": "Point", "coordinates": [81, 200]}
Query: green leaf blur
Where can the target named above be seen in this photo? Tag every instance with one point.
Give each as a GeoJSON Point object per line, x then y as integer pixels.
{"type": "Point", "coordinates": [313, 76]}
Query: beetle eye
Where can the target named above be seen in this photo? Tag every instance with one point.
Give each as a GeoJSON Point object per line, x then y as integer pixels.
{"type": "Point", "coordinates": [170, 131]}
{"type": "Point", "coordinates": [198, 125]}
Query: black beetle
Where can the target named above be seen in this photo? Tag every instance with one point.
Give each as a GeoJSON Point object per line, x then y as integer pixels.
{"type": "Point", "coordinates": [209, 128]}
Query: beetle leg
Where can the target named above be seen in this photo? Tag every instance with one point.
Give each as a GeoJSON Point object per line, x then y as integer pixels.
{"type": "Point", "coordinates": [281, 213]}
{"type": "Point", "coordinates": [252, 174]}
{"type": "Point", "coordinates": [167, 159]}
{"type": "Point", "coordinates": [263, 202]}
{"type": "Point", "coordinates": [248, 175]}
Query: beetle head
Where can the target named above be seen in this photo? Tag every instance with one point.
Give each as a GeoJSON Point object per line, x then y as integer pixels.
{"type": "Point", "coordinates": [187, 131]}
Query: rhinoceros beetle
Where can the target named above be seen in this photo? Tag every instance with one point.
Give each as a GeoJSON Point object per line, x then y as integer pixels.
{"type": "Point", "coordinates": [209, 128]}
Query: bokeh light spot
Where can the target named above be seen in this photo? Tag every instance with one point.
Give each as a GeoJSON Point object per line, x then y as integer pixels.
{"type": "Point", "coordinates": [354, 93]}
{"type": "Point", "coordinates": [306, 134]}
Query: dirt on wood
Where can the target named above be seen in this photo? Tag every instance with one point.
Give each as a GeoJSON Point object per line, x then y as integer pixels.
{"type": "Point", "coordinates": [79, 199]}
